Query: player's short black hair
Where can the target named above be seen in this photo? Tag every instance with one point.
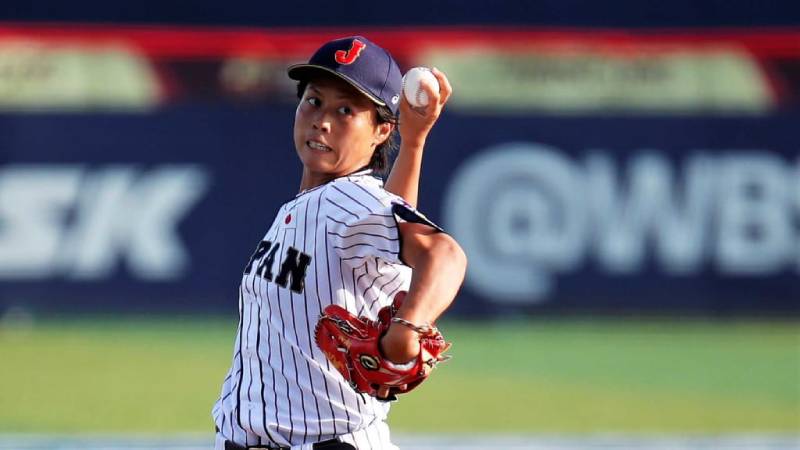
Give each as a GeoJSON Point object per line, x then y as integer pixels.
{"type": "Point", "coordinates": [381, 158]}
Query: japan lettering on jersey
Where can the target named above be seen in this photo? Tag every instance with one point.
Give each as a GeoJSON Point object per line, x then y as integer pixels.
{"type": "Point", "coordinates": [338, 243]}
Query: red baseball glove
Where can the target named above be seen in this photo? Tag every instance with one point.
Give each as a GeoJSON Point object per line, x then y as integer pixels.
{"type": "Point", "coordinates": [351, 344]}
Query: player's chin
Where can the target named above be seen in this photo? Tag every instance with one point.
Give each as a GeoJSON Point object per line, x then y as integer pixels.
{"type": "Point", "coordinates": [316, 162]}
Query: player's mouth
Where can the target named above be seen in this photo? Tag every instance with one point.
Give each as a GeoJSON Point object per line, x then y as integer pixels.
{"type": "Point", "coordinates": [318, 146]}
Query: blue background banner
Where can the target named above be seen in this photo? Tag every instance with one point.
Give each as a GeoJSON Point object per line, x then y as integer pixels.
{"type": "Point", "coordinates": [160, 211]}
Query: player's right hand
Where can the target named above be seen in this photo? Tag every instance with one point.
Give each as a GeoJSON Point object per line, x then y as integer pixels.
{"type": "Point", "coordinates": [416, 123]}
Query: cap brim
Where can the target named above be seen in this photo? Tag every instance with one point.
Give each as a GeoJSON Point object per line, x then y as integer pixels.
{"type": "Point", "coordinates": [302, 72]}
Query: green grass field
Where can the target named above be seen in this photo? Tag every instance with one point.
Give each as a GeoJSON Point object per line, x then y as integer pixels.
{"type": "Point", "coordinates": [559, 376]}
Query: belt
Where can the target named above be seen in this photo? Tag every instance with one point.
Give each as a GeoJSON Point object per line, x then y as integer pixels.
{"type": "Point", "coordinates": [318, 445]}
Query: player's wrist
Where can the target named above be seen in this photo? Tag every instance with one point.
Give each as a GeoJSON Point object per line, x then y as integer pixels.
{"type": "Point", "coordinates": [400, 344]}
{"type": "Point", "coordinates": [412, 144]}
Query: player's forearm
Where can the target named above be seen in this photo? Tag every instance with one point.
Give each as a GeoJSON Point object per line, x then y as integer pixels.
{"type": "Point", "coordinates": [414, 126]}
{"type": "Point", "coordinates": [404, 178]}
{"type": "Point", "coordinates": [438, 274]}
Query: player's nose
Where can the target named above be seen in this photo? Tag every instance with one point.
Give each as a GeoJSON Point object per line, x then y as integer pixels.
{"type": "Point", "coordinates": [322, 126]}
{"type": "Point", "coordinates": [321, 122]}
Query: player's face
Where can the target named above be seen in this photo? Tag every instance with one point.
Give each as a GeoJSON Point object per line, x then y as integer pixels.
{"type": "Point", "coordinates": [335, 129]}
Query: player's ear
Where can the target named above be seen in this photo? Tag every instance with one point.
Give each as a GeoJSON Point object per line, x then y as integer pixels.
{"type": "Point", "coordinates": [382, 132]}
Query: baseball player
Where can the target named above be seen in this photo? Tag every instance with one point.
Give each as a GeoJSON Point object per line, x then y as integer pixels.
{"type": "Point", "coordinates": [346, 255]}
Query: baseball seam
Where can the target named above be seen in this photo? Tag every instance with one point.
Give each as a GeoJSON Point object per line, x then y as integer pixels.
{"type": "Point", "coordinates": [419, 96]}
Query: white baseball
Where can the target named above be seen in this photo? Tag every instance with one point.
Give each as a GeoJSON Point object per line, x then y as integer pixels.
{"type": "Point", "coordinates": [412, 86]}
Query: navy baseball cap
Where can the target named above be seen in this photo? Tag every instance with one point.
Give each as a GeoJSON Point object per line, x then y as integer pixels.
{"type": "Point", "coordinates": [360, 62]}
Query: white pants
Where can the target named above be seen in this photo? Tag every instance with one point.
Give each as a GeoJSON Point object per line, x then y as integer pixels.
{"type": "Point", "coordinates": [373, 437]}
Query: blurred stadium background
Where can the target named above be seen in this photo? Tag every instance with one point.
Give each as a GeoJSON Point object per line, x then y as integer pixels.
{"type": "Point", "coordinates": [624, 177]}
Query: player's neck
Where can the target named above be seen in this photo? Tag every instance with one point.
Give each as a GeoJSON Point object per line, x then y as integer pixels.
{"type": "Point", "coordinates": [311, 180]}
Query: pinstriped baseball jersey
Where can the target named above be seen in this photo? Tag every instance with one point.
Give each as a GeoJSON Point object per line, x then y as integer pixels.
{"type": "Point", "coordinates": [337, 243]}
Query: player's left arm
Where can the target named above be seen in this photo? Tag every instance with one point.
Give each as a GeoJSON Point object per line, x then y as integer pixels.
{"type": "Point", "coordinates": [414, 126]}
{"type": "Point", "coordinates": [439, 265]}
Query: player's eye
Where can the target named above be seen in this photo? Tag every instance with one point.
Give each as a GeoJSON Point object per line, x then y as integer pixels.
{"type": "Point", "coordinates": [346, 110]}
{"type": "Point", "coordinates": [313, 101]}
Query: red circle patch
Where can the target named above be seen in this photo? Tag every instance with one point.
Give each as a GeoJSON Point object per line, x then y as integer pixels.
{"type": "Point", "coordinates": [288, 219]}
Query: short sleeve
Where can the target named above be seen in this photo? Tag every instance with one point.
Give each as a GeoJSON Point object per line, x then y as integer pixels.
{"type": "Point", "coordinates": [363, 222]}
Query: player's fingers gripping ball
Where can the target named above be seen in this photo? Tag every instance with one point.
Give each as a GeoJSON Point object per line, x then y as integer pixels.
{"type": "Point", "coordinates": [413, 82]}
{"type": "Point", "coordinates": [351, 344]}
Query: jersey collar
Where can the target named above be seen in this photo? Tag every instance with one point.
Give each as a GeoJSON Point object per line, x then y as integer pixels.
{"type": "Point", "coordinates": [362, 172]}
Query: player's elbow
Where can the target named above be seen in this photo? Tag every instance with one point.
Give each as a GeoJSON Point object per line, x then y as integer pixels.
{"type": "Point", "coordinates": [424, 247]}
{"type": "Point", "coordinates": [446, 249]}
